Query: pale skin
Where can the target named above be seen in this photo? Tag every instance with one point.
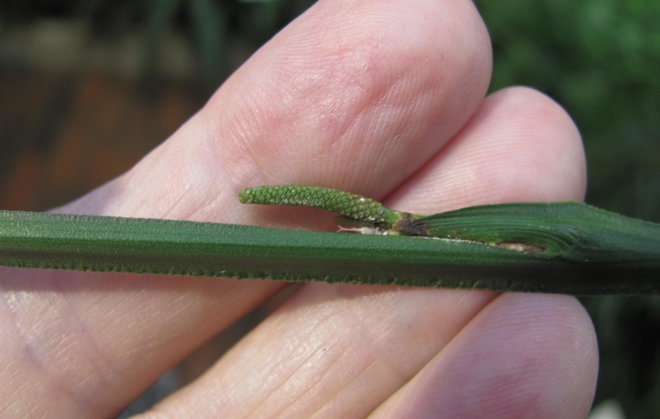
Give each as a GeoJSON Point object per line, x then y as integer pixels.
{"type": "Point", "coordinates": [382, 98]}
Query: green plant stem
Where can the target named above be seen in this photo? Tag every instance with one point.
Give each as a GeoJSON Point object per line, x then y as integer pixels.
{"type": "Point", "coordinates": [97, 243]}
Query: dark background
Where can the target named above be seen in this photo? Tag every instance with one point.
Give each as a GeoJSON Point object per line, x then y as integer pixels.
{"type": "Point", "coordinates": [88, 87]}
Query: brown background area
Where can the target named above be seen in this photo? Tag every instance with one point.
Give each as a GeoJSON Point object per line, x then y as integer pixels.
{"type": "Point", "coordinates": [64, 134]}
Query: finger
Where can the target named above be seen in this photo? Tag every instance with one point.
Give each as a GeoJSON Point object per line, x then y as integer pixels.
{"type": "Point", "coordinates": [351, 104]}
{"type": "Point", "coordinates": [519, 146]}
{"type": "Point", "coordinates": [342, 350]}
{"type": "Point", "coordinates": [521, 356]}
{"type": "Point", "coordinates": [368, 95]}
{"type": "Point", "coordinates": [358, 111]}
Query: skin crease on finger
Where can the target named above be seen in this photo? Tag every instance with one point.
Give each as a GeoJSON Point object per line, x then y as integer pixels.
{"type": "Point", "coordinates": [86, 344]}
{"type": "Point", "coordinates": [297, 364]}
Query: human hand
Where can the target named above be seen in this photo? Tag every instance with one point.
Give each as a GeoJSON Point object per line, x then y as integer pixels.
{"type": "Point", "coordinates": [385, 99]}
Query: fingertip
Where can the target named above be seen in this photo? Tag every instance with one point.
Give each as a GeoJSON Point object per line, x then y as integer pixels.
{"type": "Point", "coordinates": [522, 356]}
{"type": "Point", "coordinates": [519, 146]}
{"type": "Point", "coordinates": [551, 133]}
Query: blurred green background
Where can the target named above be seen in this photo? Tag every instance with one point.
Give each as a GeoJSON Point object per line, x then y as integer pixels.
{"type": "Point", "coordinates": [103, 82]}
